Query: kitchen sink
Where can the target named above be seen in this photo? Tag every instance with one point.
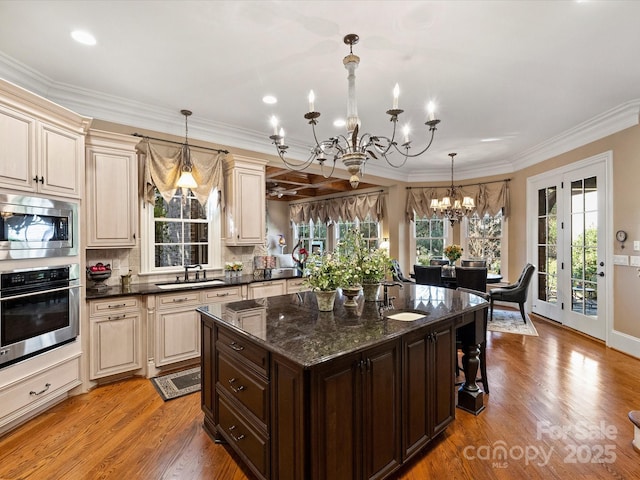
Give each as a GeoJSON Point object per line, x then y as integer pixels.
{"type": "Point", "coordinates": [406, 316]}
{"type": "Point", "coordinates": [199, 283]}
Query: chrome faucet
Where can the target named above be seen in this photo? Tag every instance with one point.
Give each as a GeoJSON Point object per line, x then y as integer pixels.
{"type": "Point", "coordinates": [387, 301]}
{"type": "Point", "coordinates": [186, 271]}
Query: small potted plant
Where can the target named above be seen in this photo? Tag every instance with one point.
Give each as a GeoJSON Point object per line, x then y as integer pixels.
{"type": "Point", "coordinates": [324, 273]}
{"type": "Point", "coordinates": [375, 266]}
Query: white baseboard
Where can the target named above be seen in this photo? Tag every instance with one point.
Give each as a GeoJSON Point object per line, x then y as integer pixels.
{"type": "Point", "coordinates": [624, 342]}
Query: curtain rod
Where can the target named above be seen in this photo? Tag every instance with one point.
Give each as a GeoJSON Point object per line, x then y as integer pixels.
{"type": "Point", "coordinates": [331, 198]}
{"type": "Point", "coordinates": [467, 184]}
{"type": "Point", "coordinates": [178, 143]}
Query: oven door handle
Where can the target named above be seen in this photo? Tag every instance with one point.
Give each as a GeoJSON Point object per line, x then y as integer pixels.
{"type": "Point", "coordinates": [39, 292]}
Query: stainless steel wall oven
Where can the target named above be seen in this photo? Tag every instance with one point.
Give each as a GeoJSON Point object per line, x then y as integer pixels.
{"type": "Point", "coordinates": [39, 310]}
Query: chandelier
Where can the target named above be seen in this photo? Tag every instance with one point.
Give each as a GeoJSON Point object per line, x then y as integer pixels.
{"type": "Point", "coordinates": [453, 206]}
{"type": "Point", "coordinates": [353, 149]}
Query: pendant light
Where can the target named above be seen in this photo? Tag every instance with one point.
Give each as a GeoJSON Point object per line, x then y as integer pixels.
{"type": "Point", "coordinates": [186, 179]}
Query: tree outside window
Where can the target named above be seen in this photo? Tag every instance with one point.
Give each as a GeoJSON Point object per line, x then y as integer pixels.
{"type": "Point", "coordinates": [181, 230]}
{"type": "Point", "coordinates": [484, 239]}
{"type": "Point", "coordinates": [430, 238]}
{"type": "Point", "coordinates": [369, 229]}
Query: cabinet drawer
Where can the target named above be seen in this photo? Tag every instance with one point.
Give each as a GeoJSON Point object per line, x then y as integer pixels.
{"type": "Point", "coordinates": [243, 438]}
{"type": "Point", "coordinates": [243, 350]}
{"type": "Point", "coordinates": [40, 387]}
{"type": "Point", "coordinates": [114, 305]}
{"type": "Point", "coordinates": [244, 386]}
{"type": "Point", "coordinates": [178, 299]}
{"type": "Point", "coordinates": [230, 294]}
{"type": "Point", "coordinates": [295, 285]}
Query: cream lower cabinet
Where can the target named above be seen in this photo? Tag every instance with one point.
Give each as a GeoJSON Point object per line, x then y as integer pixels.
{"type": "Point", "coordinates": [115, 336]}
{"type": "Point", "coordinates": [295, 285]}
{"type": "Point", "coordinates": [267, 289]}
{"type": "Point", "coordinates": [177, 327]}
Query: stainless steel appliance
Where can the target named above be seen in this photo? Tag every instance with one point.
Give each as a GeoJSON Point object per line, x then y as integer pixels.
{"type": "Point", "coordinates": [33, 227]}
{"type": "Point", "coordinates": [39, 310]}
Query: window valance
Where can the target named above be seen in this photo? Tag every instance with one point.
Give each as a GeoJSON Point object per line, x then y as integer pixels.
{"type": "Point", "coordinates": [341, 208]}
{"type": "Point", "coordinates": [490, 197]}
{"type": "Point", "coordinates": [163, 166]}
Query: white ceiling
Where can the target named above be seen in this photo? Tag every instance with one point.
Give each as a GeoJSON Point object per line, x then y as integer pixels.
{"type": "Point", "coordinates": [539, 76]}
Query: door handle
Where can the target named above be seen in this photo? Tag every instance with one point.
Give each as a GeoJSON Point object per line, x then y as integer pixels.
{"type": "Point", "coordinates": [601, 274]}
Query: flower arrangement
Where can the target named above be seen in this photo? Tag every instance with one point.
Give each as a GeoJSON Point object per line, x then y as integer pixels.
{"type": "Point", "coordinates": [453, 252]}
{"type": "Point", "coordinates": [324, 272]}
{"type": "Point", "coordinates": [375, 266]}
{"type": "Point", "coordinates": [233, 266]}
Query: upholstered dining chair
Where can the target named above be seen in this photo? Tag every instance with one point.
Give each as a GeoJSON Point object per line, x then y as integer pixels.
{"type": "Point", "coordinates": [473, 263]}
{"type": "Point", "coordinates": [483, 345]}
{"type": "Point", "coordinates": [514, 292]}
{"type": "Point", "coordinates": [428, 275]}
{"type": "Point", "coordinates": [438, 261]}
{"type": "Point", "coordinates": [397, 274]}
{"type": "Point", "coordinates": [472, 277]}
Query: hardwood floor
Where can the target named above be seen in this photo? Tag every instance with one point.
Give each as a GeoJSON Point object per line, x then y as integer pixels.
{"type": "Point", "coordinates": [560, 395]}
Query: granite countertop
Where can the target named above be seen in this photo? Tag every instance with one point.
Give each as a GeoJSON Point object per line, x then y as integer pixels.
{"type": "Point", "coordinates": [293, 327]}
{"type": "Point", "coordinates": [152, 289]}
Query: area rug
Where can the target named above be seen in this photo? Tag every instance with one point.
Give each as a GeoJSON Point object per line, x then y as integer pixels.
{"type": "Point", "coordinates": [510, 321]}
{"type": "Point", "coordinates": [174, 385]}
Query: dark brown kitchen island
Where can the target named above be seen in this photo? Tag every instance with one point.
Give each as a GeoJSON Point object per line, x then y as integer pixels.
{"type": "Point", "coordinates": [349, 394]}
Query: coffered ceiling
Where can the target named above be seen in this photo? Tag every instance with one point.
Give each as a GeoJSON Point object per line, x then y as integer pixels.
{"type": "Point", "coordinates": [514, 82]}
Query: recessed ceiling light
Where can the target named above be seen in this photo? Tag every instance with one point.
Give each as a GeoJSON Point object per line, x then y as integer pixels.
{"type": "Point", "coordinates": [490, 140]}
{"type": "Point", "coordinates": [83, 37]}
{"type": "Point", "coordinates": [339, 122]}
{"type": "Point", "coordinates": [269, 99]}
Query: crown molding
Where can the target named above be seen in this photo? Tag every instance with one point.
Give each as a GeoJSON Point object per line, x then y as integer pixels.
{"type": "Point", "coordinates": [610, 122]}
{"type": "Point", "coordinates": [144, 116]}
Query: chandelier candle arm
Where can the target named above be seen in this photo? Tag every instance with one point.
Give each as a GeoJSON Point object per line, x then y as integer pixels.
{"type": "Point", "coordinates": [353, 149]}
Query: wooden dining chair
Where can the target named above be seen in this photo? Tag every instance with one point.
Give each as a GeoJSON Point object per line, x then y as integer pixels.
{"type": "Point", "coordinates": [428, 275]}
{"type": "Point", "coordinates": [474, 278]}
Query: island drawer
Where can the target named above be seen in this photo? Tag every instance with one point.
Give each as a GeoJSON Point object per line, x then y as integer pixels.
{"type": "Point", "coordinates": [244, 350]}
{"type": "Point", "coordinates": [244, 386]}
{"type": "Point", "coordinates": [245, 440]}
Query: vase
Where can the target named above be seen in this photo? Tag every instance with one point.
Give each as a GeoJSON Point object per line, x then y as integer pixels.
{"type": "Point", "coordinates": [351, 293]}
{"type": "Point", "coordinates": [370, 291]}
{"type": "Point", "coordinates": [325, 300]}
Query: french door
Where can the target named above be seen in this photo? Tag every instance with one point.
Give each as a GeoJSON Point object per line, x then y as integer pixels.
{"type": "Point", "coordinates": [567, 221]}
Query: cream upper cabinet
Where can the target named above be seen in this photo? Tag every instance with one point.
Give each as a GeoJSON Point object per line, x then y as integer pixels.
{"type": "Point", "coordinates": [112, 179]}
{"type": "Point", "coordinates": [42, 144]}
{"type": "Point", "coordinates": [245, 202]}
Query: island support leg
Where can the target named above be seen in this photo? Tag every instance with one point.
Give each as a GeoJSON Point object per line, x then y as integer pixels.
{"type": "Point", "coordinates": [470, 396]}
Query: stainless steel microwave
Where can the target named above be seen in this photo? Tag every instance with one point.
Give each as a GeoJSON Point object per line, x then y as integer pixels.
{"type": "Point", "coordinates": [33, 227]}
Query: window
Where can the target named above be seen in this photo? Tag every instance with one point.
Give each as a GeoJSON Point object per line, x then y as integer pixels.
{"type": "Point", "coordinates": [370, 231]}
{"type": "Point", "coordinates": [311, 232]}
{"type": "Point", "coordinates": [484, 239]}
{"type": "Point", "coordinates": [181, 232]}
{"type": "Point", "coordinates": [430, 237]}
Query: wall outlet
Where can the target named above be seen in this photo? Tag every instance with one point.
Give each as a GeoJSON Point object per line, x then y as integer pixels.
{"type": "Point", "coordinates": [636, 245]}
{"type": "Point", "coordinates": [634, 261]}
{"type": "Point", "coordinates": [621, 259]}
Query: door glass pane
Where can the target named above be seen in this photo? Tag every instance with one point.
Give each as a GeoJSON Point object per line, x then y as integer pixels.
{"type": "Point", "coordinates": [547, 245]}
{"type": "Point", "coordinates": [584, 243]}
